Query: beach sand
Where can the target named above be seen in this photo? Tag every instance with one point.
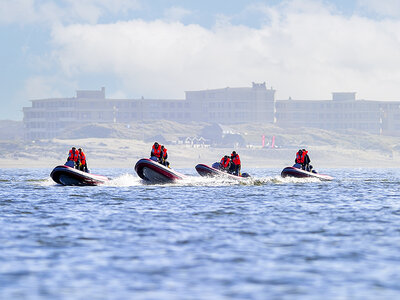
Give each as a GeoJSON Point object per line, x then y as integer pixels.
{"type": "Point", "coordinates": [124, 153]}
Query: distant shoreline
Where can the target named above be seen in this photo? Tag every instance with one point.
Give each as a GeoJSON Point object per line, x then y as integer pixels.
{"type": "Point", "coordinates": [123, 153]}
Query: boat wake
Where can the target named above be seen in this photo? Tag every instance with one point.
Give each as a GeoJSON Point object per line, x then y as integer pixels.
{"type": "Point", "coordinates": [47, 182]}
{"type": "Point", "coordinates": [124, 180]}
{"type": "Point", "coordinates": [251, 181]}
{"type": "Point", "coordinates": [127, 180]}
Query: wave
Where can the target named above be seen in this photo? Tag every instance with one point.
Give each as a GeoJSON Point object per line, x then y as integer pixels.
{"type": "Point", "coordinates": [127, 180]}
{"type": "Point", "coordinates": [46, 182]}
{"type": "Point", "coordinates": [124, 180]}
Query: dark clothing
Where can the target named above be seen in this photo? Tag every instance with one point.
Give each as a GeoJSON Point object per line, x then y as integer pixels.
{"type": "Point", "coordinates": [83, 167]}
{"type": "Point", "coordinates": [234, 169]}
{"type": "Point", "coordinates": [307, 160]}
{"type": "Point", "coordinates": [164, 156]}
{"type": "Point", "coordinates": [235, 164]}
{"type": "Point", "coordinates": [306, 164]}
{"type": "Point", "coordinates": [225, 163]}
{"type": "Point", "coordinates": [156, 152]}
{"type": "Point", "coordinates": [74, 156]}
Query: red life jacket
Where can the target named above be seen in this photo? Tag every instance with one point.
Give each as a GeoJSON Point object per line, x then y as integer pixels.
{"type": "Point", "coordinates": [82, 158]}
{"type": "Point", "coordinates": [156, 151]}
{"type": "Point", "coordinates": [165, 153]}
{"type": "Point", "coordinates": [225, 162]}
{"type": "Point", "coordinates": [236, 159]}
{"type": "Point", "coordinates": [300, 159]}
{"type": "Point", "coordinates": [73, 156]}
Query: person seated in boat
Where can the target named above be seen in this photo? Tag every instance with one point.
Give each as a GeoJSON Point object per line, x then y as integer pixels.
{"type": "Point", "coordinates": [225, 163]}
{"type": "Point", "coordinates": [82, 161]}
{"type": "Point", "coordinates": [303, 159]}
{"type": "Point", "coordinates": [73, 156]}
{"type": "Point", "coordinates": [155, 153]}
{"type": "Point", "coordinates": [164, 156]}
{"type": "Point", "coordinates": [308, 160]}
{"type": "Point", "coordinates": [235, 164]}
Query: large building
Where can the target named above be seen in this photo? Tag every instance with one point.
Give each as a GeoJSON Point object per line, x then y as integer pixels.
{"type": "Point", "coordinates": [47, 118]}
{"type": "Point", "coordinates": [233, 105]}
{"type": "Point", "coordinates": [342, 112]}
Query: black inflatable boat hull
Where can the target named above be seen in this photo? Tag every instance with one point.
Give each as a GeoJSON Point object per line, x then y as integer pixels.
{"type": "Point", "coordinates": [299, 173]}
{"type": "Point", "coordinates": [208, 171]}
{"type": "Point", "coordinates": [154, 172]}
{"type": "Point", "coordinates": [66, 175]}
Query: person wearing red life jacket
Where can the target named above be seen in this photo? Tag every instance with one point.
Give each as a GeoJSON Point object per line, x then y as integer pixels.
{"type": "Point", "coordinates": [73, 156]}
{"type": "Point", "coordinates": [82, 161]}
{"type": "Point", "coordinates": [225, 163]}
{"type": "Point", "coordinates": [164, 156]}
{"type": "Point", "coordinates": [155, 153]}
{"type": "Point", "coordinates": [235, 164]}
{"type": "Point", "coordinates": [303, 159]}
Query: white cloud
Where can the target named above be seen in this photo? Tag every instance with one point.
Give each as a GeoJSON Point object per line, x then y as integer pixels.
{"type": "Point", "coordinates": [41, 87]}
{"type": "Point", "coordinates": [117, 95]}
{"type": "Point", "coordinates": [21, 11]}
{"type": "Point", "coordinates": [301, 53]}
{"type": "Point", "coordinates": [304, 51]}
{"type": "Point", "coordinates": [63, 11]}
{"type": "Point", "coordinates": [387, 8]}
{"type": "Point", "coordinates": [176, 13]}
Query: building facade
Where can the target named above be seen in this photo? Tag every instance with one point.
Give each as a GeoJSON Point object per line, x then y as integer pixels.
{"type": "Point", "coordinates": [48, 118]}
{"type": "Point", "coordinates": [233, 105]}
{"type": "Point", "coordinates": [342, 112]}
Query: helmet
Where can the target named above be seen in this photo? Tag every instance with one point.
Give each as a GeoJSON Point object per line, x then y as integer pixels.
{"type": "Point", "coordinates": [156, 144]}
{"type": "Point", "coordinates": [80, 149]}
{"type": "Point", "coordinates": [162, 146]}
{"type": "Point", "coordinates": [73, 148]}
{"type": "Point", "coordinates": [233, 152]}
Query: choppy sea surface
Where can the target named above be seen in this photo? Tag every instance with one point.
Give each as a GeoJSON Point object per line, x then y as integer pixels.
{"type": "Point", "coordinates": [268, 238]}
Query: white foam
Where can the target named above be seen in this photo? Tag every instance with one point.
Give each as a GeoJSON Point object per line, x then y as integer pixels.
{"type": "Point", "coordinates": [47, 182]}
{"type": "Point", "coordinates": [127, 180]}
{"type": "Point", "coordinates": [124, 181]}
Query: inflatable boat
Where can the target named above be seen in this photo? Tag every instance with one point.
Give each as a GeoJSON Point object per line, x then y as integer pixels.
{"type": "Point", "coordinates": [154, 172]}
{"type": "Point", "coordinates": [214, 171]}
{"type": "Point", "coordinates": [67, 175]}
{"type": "Point", "coordinates": [297, 172]}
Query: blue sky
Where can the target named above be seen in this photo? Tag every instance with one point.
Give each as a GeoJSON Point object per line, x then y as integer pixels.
{"type": "Point", "coordinates": [305, 49]}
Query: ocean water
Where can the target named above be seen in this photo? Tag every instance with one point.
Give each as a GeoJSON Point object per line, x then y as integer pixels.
{"type": "Point", "coordinates": [269, 238]}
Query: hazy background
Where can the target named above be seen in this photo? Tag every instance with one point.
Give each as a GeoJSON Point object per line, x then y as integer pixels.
{"type": "Point", "coordinates": [116, 145]}
{"type": "Point", "coordinates": [304, 49]}
{"type": "Point", "coordinates": [158, 49]}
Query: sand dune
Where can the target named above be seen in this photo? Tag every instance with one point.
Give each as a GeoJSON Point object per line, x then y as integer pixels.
{"type": "Point", "coordinates": [121, 145]}
{"type": "Point", "coordinates": [124, 153]}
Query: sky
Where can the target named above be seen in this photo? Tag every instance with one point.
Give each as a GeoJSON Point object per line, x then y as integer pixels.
{"type": "Point", "coordinates": [304, 49]}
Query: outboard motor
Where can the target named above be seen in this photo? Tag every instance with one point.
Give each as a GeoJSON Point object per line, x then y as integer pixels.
{"type": "Point", "coordinates": [70, 163]}
{"type": "Point", "coordinates": [215, 165]}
